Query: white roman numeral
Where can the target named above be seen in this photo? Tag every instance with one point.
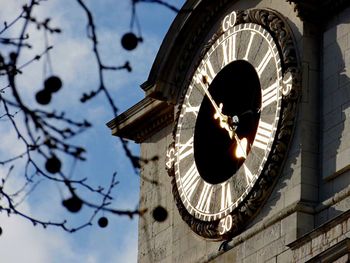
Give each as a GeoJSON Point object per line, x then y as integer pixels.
{"type": "Point", "coordinates": [205, 198]}
{"type": "Point", "coordinates": [191, 109]}
{"type": "Point", "coordinates": [248, 174]}
{"type": "Point", "coordinates": [226, 199]}
{"type": "Point", "coordinates": [264, 62]}
{"type": "Point", "coordinates": [229, 50]}
{"type": "Point", "coordinates": [190, 181]}
{"type": "Point", "coordinates": [252, 34]}
{"type": "Point", "coordinates": [263, 135]}
{"type": "Point", "coordinates": [207, 71]}
{"type": "Point", "coordinates": [185, 149]}
{"type": "Point", "coordinates": [269, 94]}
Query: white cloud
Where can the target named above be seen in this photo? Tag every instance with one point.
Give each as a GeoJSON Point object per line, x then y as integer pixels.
{"type": "Point", "coordinates": [21, 242]}
{"type": "Point", "coordinates": [128, 253]}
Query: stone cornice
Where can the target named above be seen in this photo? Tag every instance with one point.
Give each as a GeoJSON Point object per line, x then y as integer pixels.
{"type": "Point", "coordinates": [320, 230]}
{"type": "Point", "coordinates": [142, 120]}
{"type": "Point", "coordinates": [326, 243]}
{"type": "Point", "coordinates": [318, 10]}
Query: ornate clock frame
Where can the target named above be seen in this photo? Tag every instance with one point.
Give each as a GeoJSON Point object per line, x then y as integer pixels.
{"type": "Point", "coordinates": [274, 23]}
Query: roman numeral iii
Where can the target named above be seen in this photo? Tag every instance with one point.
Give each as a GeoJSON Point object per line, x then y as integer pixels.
{"type": "Point", "coordinates": [269, 95]}
{"type": "Point", "coordinates": [263, 135]}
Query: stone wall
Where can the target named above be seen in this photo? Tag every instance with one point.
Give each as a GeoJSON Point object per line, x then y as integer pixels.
{"type": "Point", "coordinates": [335, 129]}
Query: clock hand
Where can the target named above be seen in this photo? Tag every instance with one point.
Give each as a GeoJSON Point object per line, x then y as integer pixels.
{"type": "Point", "coordinates": [217, 109]}
{"type": "Point", "coordinates": [241, 148]}
{"type": "Point", "coordinates": [226, 122]}
{"type": "Point", "coordinates": [223, 119]}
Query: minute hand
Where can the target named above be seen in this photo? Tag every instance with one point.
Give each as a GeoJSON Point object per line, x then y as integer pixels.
{"type": "Point", "coordinates": [223, 119]}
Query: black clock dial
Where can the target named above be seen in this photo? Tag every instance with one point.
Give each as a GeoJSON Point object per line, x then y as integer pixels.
{"type": "Point", "coordinates": [237, 87]}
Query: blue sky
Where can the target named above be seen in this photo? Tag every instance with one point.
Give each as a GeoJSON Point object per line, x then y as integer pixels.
{"type": "Point", "coordinates": [73, 61]}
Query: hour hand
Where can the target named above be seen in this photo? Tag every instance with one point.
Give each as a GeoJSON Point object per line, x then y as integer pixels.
{"type": "Point", "coordinates": [241, 147]}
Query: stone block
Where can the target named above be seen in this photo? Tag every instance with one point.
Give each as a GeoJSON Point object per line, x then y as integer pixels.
{"type": "Point", "coordinates": [184, 244]}
{"type": "Point", "coordinates": [303, 253]}
{"type": "Point", "coordinates": [329, 36]}
{"type": "Point", "coordinates": [342, 206]}
{"type": "Point", "coordinates": [309, 174]}
{"type": "Point", "coordinates": [310, 52]}
{"type": "Point", "coordinates": [333, 133]}
{"type": "Point", "coordinates": [343, 259]}
{"type": "Point", "coordinates": [330, 149]}
{"type": "Point", "coordinates": [272, 233]}
{"type": "Point", "coordinates": [345, 108]}
{"type": "Point", "coordinates": [328, 52]}
{"type": "Point", "coordinates": [309, 192]}
{"type": "Point", "coordinates": [289, 228]}
{"type": "Point", "coordinates": [333, 117]}
{"type": "Point", "coordinates": [341, 182]}
{"type": "Point", "coordinates": [343, 159]}
{"type": "Point", "coordinates": [166, 260]}
{"type": "Point", "coordinates": [212, 248]}
{"type": "Point", "coordinates": [159, 254]}
{"type": "Point", "coordinates": [343, 42]}
{"type": "Point", "coordinates": [227, 257]}
{"type": "Point", "coordinates": [230, 256]}
{"type": "Point", "coordinates": [310, 140]}
{"type": "Point", "coordinates": [317, 242]}
{"type": "Point", "coordinates": [162, 245]}
{"type": "Point", "coordinates": [253, 244]}
{"type": "Point", "coordinates": [271, 250]}
{"type": "Point", "coordinates": [328, 168]}
{"type": "Point", "coordinates": [292, 195]}
{"type": "Point", "coordinates": [330, 68]}
{"type": "Point", "coordinates": [272, 260]}
{"type": "Point", "coordinates": [251, 259]}
{"type": "Point", "coordinates": [285, 257]}
{"type": "Point", "coordinates": [305, 223]}
{"type": "Point", "coordinates": [330, 85]}
{"type": "Point", "coordinates": [186, 256]}
{"type": "Point", "coordinates": [200, 248]}
{"type": "Point", "coordinates": [321, 217]}
{"type": "Point", "coordinates": [162, 226]}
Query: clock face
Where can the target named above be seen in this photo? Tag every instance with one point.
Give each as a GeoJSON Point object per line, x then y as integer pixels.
{"type": "Point", "coordinates": [227, 125]}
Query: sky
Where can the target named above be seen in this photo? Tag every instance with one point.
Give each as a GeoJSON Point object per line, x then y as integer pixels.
{"type": "Point", "coordinates": [72, 60]}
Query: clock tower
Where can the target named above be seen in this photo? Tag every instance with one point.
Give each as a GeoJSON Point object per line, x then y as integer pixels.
{"type": "Point", "coordinates": [247, 109]}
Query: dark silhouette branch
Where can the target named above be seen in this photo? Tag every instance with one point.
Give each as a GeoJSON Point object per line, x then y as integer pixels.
{"type": "Point", "coordinates": [46, 134]}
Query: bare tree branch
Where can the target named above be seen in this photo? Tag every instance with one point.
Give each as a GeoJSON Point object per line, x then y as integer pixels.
{"type": "Point", "coordinates": [46, 134]}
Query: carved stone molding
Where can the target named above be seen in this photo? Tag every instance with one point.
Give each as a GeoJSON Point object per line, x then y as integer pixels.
{"type": "Point", "coordinates": [318, 10]}
{"type": "Point", "coordinates": [327, 243]}
{"type": "Point", "coordinates": [142, 120]}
